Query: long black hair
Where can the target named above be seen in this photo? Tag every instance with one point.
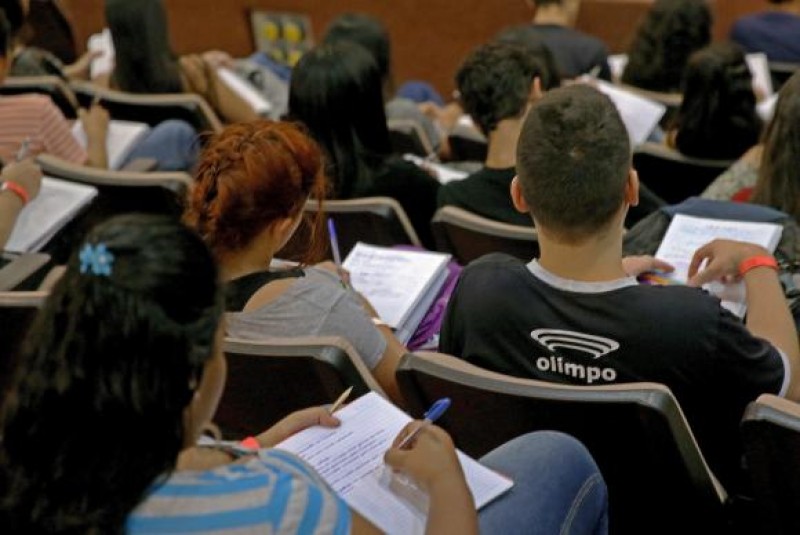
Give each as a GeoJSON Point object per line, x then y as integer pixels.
{"type": "Point", "coordinates": [96, 411]}
{"type": "Point", "coordinates": [144, 60]}
{"type": "Point", "coordinates": [717, 118]}
{"type": "Point", "coordinates": [779, 175]}
{"type": "Point", "coordinates": [336, 91]}
{"type": "Point", "coordinates": [671, 32]}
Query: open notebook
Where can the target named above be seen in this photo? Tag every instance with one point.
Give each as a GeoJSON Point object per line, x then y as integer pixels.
{"type": "Point", "coordinates": [350, 459]}
{"type": "Point", "coordinates": [686, 234]}
{"type": "Point", "coordinates": [56, 205]}
{"type": "Point", "coordinates": [121, 139]}
{"type": "Point", "coordinates": [401, 285]}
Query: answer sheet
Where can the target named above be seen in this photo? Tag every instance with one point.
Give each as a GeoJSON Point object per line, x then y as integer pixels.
{"type": "Point", "coordinates": [350, 459]}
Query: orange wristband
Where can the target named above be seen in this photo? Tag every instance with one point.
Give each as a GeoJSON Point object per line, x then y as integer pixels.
{"type": "Point", "coordinates": [250, 443]}
{"type": "Point", "coordinates": [19, 191]}
{"type": "Point", "coordinates": [757, 261]}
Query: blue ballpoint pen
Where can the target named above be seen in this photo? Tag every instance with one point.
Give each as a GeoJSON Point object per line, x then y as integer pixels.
{"type": "Point", "coordinates": [433, 414]}
{"type": "Point", "coordinates": [337, 256]}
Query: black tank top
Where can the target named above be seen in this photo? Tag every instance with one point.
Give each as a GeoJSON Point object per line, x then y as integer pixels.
{"type": "Point", "coordinates": [239, 291]}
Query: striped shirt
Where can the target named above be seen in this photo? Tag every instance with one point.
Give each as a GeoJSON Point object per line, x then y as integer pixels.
{"type": "Point", "coordinates": [274, 493]}
{"type": "Point", "coordinates": [37, 118]}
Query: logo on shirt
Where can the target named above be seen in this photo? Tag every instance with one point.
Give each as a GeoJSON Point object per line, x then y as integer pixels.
{"type": "Point", "coordinates": [596, 346]}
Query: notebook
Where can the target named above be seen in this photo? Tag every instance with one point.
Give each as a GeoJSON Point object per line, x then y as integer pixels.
{"type": "Point", "coordinates": [641, 115]}
{"type": "Point", "coordinates": [759, 70]}
{"type": "Point", "coordinates": [121, 139]}
{"type": "Point", "coordinates": [350, 459]}
{"type": "Point", "coordinates": [245, 90]}
{"type": "Point", "coordinates": [444, 174]}
{"type": "Point", "coordinates": [103, 64]}
{"type": "Point", "coordinates": [686, 234]}
{"type": "Point", "coordinates": [401, 285]}
{"type": "Point", "coordinates": [56, 205]}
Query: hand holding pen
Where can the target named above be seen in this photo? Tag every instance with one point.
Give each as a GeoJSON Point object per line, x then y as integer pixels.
{"type": "Point", "coordinates": [337, 255]}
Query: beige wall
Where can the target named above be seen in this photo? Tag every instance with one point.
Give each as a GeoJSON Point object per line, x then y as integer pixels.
{"type": "Point", "coordinates": [430, 36]}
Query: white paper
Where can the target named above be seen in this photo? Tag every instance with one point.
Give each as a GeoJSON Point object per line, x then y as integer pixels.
{"type": "Point", "coordinates": [103, 43]}
{"type": "Point", "coordinates": [759, 69]}
{"type": "Point", "coordinates": [686, 234]}
{"type": "Point", "coordinates": [56, 205]}
{"type": "Point", "coordinates": [350, 459]}
{"type": "Point", "coordinates": [394, 281]}
{"type": "Point", "coordinates": [245, 90]}
{"type": "Point", "coordinates": [121, 139]}
{"type": "Point", "coordinates": [444, 174]}
{"type": "Point", "coordinates": [641, 115]}
{"type": "Point", "coordinates": [766, 108]}
{"type": "Point", "coordinates": [617, 64]}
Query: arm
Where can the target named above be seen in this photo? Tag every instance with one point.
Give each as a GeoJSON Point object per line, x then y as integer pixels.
{"type": "Point", "coordinates": [28, 176]}
{"type": "Point", "coordinates": [768, 316]}
{"type": "Point", "coordinates": [384, 372]}
{"type": "Point", "coordinates": [199, 75]}
{"type": "Point", "coordinates": [95, 124]}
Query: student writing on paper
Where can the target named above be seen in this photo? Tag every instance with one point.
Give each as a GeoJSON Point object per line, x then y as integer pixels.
{"type": "Point", "coordinates": [577, 315]}
{"type": "Point", "coordinates": [497, 84]}
{"type": "Point", "coordinates": [251, 186]}
{"type": "Point", "coordinates": [19, 184]}
{"type": "Point", "coordinates": [130, 341]}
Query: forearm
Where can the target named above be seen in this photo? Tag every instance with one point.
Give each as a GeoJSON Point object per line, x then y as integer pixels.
{"type": "Point", "coordinates": [96, 150]}
{"type": "Point", "coordinates": [10, 207]}
{"type": "Point", "coordinates": [451, 508]}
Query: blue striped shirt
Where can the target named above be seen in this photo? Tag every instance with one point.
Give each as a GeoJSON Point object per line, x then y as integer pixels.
{"type": "Point", "coordinates": [270, 494]}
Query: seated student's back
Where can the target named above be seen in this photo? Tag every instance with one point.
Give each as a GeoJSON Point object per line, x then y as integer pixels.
{"type": "Point", "coordinates": [774, 31]}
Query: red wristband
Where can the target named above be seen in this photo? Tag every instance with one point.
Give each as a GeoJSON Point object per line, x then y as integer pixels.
{"type": "Point", "coordinates": [250, 443]}
{"type": "Point", "coordinates": [757, 261]}
{"type": "Point", "coordinates": [19, 191]}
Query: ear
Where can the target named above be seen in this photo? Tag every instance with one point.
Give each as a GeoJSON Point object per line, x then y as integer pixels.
{"type": "Point", "coordinates": [632, 188]}
{"type": "Point", "coordinates": [536, 90]}
{"type": "Point", "coordinates": [517, 198]}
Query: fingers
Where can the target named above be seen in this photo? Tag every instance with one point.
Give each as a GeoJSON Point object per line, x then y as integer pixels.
{"type": "Point", "coordinates": [407, 430]}
{"type": "Point", "coordinates": [664, 267]}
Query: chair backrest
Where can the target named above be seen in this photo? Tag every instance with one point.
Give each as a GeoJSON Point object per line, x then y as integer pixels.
{"type": "Point", "coordinates": [781, 72]}
{"type": "Point", "coordinates": [672, 176]}
{"type": "Point", "coordinates": [52, 86]}
{"type": "Point", "coordinates": [22, 272]}
{"type": "Point", "coordinates": [151, 109]}
{"type": "Point", "coordinates": [408, 137]}
{"type": "Point", "coordinates": [118, 192]}
{"type": "Point", "coordinates": [468, 236]}
{"type": "Point", "coordinates": [657, 478]}
{"type": "Point", "coordinates": [374, 220]}
{"type": "Point", "coordinates": [17, 311]}
{"type": "Point", "coordinates": [771, 435]}
{"type": "Point", "coordinates": [467, 144]}
{"type": "Point", "coordinates": [269, 379]}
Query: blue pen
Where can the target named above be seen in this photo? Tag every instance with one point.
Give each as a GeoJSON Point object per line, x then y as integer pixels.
{"type": "Point", "coordinates": [433, 414]}
{"type": "Point", "coordinates": [337, 256]}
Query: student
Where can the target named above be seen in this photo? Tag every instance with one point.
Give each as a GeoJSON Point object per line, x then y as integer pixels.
{"type": "Point", "coordinates": [575, 52]}
{"type": "Point", "coordinates": [717, 119]}
{"type": "Point", "coordinates": [671, 31]}
{"type": "Point", "coordinates": [497, 84]}
{"type": "Point", "coordinates": [772, 164]}
{"type": "Point", "coordinates": [577, 315]}
{"type": "Point", "coordinates": [144, 62]}
{"type": "Point", "coordinates": [123, 370]}
{"type": "Point", "coordinates": [19, 185]}
{"type": "Point", "coordinates": [337, 92]}
{"type": "Point", "coordinates": [775, 32]}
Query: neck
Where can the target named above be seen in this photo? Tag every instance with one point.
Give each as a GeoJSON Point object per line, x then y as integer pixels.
{"type": "Point", "coordinates": [249, 260]}
{"type": "Point", "coordinates": [595, 260]}
{"type": "Point", "coordinates": [551, 14]}
{"type": "Point", "coordinates": [502, 152]}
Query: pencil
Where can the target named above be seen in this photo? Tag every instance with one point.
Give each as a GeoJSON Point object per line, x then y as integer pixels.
{"type": "Point", "coordinates": [338, 403]}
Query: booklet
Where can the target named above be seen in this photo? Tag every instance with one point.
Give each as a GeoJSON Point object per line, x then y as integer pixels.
{"type": "Point", "coordinates": [121, 139]}
{"type": "Point", "coordinates": [245, 90]}
{"type": "Point", "coordinates": [58, 202]}
{"type": "Point", "coordinates": [444, 174]}
{"type": "Point", "coordinates": [350, 459]}
{"type": "Point", "coordinates": [641, 115]}
{"type": "Point", "coordinates": [686, 234]}
{"type": "Point", "coordinates": [104, 44]}
{"type": "Point", "coordinates": [401, 284]}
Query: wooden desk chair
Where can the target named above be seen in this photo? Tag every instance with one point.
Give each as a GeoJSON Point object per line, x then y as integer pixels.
{"type": "Point", "coordinates": [657, 478]}
{"type": "Point", "coordinates": [781, 72]}
{"type": "Point", "coordinates": [467, 144]}
{"type": "Point", "coordinates": [468, 236]}
{"type": "Point", "coordinates": [672, 176]}
{"type": "Point", "coordinates": [269, 379]}
{"type": "Point", "coordinates": [408, 137]}
{"type": "Point", "coordinates": [52, 86]}
{"type": "Point", "coordinates": [118, 192]}
{"type": "Point", "coordinates": [17, 311]}
{"type": "Point", "coordinates": [771, 435]}
{"type": "Point", "coordinates": [374, 220]}
{"type": "Point", "coordinates": [151, 109]}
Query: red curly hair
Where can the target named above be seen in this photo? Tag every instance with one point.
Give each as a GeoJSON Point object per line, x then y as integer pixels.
{"type": "Point", "coordinates": [251, 175]}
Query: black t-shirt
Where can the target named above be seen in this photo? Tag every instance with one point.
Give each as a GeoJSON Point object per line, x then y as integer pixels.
{"type": "Point", "coordinates": [505, 318]}
{"type": "Point", "coordinates": [486, 193]}
{"type": "Point", "coordinates": [575, 52]}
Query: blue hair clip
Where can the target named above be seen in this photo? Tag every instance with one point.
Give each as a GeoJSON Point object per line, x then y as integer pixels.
{"type": "Point", "coordinates": [96, 260]}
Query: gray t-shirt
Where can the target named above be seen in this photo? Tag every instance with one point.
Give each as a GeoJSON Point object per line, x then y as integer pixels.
{"type": "Point", "coordinates": [314, 305]}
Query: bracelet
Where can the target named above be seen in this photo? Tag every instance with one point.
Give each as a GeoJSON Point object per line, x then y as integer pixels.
{"type": "Point", "coordinates": [755, 262]}
{"type": "Point", "coordinates": [19, 191]}
{"type": "Point", "coordinates": [250, 443]}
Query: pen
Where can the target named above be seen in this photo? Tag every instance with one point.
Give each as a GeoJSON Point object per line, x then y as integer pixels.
{"type": "Point", "coordinates": [337, 256]}
{"type": "Point", "coordinates": [341, 399]}
{"type": "Point", "coordinates": [24, 149]}
{"type": "Point", "coordinates": [433, 414]}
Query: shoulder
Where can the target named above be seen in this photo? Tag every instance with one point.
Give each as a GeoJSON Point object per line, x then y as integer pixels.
{"type": "Point", "coordinates": [31, 101]}
{"type": "Point", "coordinates": [495, 269]}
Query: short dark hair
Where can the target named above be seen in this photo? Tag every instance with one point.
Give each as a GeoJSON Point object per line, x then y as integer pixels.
{"type": "Point", "coordinates": [366, 31]}
{"type": "Point", "coordinates": [5, 36]}
{"type": "Point", "coordinates": [14, 16]}
{"type": "Point", "coordinates": [573, 160]}
{"type": "Point", "coordinates": [528, 37]}
{"type": "Point", "coordinates": [494, 83]}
